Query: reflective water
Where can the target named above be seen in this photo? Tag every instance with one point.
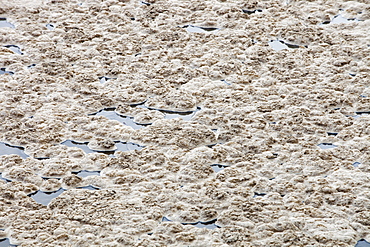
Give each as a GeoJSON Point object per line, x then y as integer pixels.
{"type": "Point", "coordinates": [187, 116]}
{"type": "Point", "coordinates": [4, 71]}
{"type": "Point", "coordinates": [174, 114]}
{"type": "Point", "coordinates": [362, 112]}
{"type": "Point", "coordinates": [121, 146]}
{"type": "Point", "coordinates": [81, 145]}
{"type": "Point", "coordinates": [85, 173]}
{"type": "Point", "coordinates": [112, 115]}
{"type": "Point", "coordinates": [356, 164]}
{"type": "Point", "coordinates": [104, 79]}
{"type": "Point", "coordinates": [47, 178]}
{"type": "Point", "coordinates": [208, 224]}
{"type": "Point", "coordinates": [31, 66]}
{"type": "Point", "coordinates": [165, 219]}
{"type": "Point", "coordinates": [6, 149]}
{"type": "Point", "coordinates": [124, 146]}
{"type": "Point", "coordinates": [45, 198]}
{"type": "Point", "coordinates": [14, 48]}
{"type": "Point", "coordinates": [332, 133]}
{"type": "Point", "coordinates": [6, 243]}
{"type": "Point", "coordinates": [212, 145]}
{"type": "Point", "coordinates": [89, 187]}
{"type": "Point", "coordinates": [326, 145]}
{"type": "Point", "coordinates": [258, 194]}
{"type": "Point", "coordinates": [144, 3]}
{"type": "Point", "coordinates": [129, 121]}
{"type": "Point", "coordinates": [4, 23]}
{"type": "Point", "coordinates": [279, 45]}
{"type": "Point", "coordinates": [50, 26]}
{"type": "Point", "coordinates": [362, 243]}
{"type": "Point", "coordinates": [249, 12]}
{"type": "Point", "coordinates": [195, 29]}
{"type": "Point", "coordinates": [227, 83]}
{"type": "Point", "coordinates": [340, 19]}
{"type": "Point", "coordinates": [218, 167]}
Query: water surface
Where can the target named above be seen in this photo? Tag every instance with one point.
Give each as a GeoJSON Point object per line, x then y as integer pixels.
{"type": "Point", "coordinates": [45, 198]}
{"type": "Point", "coordinates": [5, 23]}
{"type": "Point", "coordinates": [326, 145]}
{"type": "Point", "coordinates": [7, 149]}
{"type": "Point", "coordinates": [196, 29]}
{"type": "Point", "coordinates": [362, 243]}
{"type": "Point", "coordinates": [14, 48]}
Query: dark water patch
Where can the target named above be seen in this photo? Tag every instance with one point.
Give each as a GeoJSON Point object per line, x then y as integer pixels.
{"type": "Point", "coordinates": [6, 243]}
{"type": "Point", "coordinates": [45, 198]}
{"type": "Point", "coordinates": [4, 179]}
{"type": "Point", "coordinates": [249, 12]}
{"type": "Point", "coordinates": [362, 243]}
{"type": "Point", "coordinates": [196, 29]}
{"type": "Point", "coordinates": [212, 145]}
{"type": "Point", "coordinates": [4, 71]}
{"type": "Point", "coordinates": [5, 23]}
{"type": "Point", "coordinates": [292, 46]}
{"type": "Point", "coordinates": [144, 3]}
{"type": "Point", "coordinates": [14, 48]}
{"type": "Point", "coordinates": [41, 158]}
{"type": "Point", "coordinates": [207, 224]}
{"type": "Point", "coordinates": [351, 74]}
{"type": "Point", "coordinates": [326, 145]}
{"type": "Point", "coordinates": [332, 133]}
{"type": "Point", "coordinates": [89, 187]}
{"type": "Point", "coordinates": [6, 149]}
{"type": "Point", "coordinates": [112, 115]}
{"type": "Point", "coordinates": [47, 178]}
{"type": "Point", "coordinates": [85, 173]}
{"type": "Point", "coordinates": [50, 26]}
{"type": "Point", "coordinates": [218, 167]}
{"type": "Point", "coordinates": [121, 146]}
{"type": "Point", "coordinates": [259, 194]}
{"type": "Point", "coordinates": [356, 164]}
{"type": "Point", "coordinates": [31, 66]}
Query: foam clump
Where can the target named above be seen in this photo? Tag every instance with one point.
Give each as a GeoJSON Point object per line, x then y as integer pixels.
{"type": "Point", "coordinates": [175, 132]}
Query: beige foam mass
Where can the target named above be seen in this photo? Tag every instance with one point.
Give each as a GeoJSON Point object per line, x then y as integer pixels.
{"type": "Point", "coordinates": [261, 113]}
